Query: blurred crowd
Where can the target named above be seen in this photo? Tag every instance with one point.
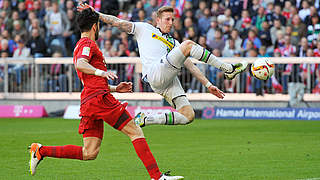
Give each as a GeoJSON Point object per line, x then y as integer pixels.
{"type": "Point", "coordinates": [228, 28]}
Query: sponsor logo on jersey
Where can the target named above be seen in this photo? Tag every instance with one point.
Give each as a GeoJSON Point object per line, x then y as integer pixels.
{"type": "Point", "coordinates": [166, 42]}
{"type": "Point", "coordinates": [86, 51]}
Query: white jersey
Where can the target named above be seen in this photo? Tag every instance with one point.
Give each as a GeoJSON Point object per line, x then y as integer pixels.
{"type": "Point", "coordinates": [153, 45]}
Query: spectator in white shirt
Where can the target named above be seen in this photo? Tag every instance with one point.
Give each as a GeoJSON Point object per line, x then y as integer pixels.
{"type": "Point", "coordinates": [305, 11]}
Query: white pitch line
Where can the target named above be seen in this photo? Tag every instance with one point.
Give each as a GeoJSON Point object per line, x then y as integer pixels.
{"type": "Point", "coordinates": [318, 178]}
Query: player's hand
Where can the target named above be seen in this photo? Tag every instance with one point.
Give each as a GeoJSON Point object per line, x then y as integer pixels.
{"type": "Point", "coordinates": [124, 87]}
{"type": "Point", "coordinates": [82, 6]}
{"type": "Point", "coordinates": [109, 75]}
{"type": "Point", "coordinates": [215, 91]}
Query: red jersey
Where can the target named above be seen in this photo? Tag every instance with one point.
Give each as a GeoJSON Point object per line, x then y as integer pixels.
{"type": "Point", "coordinates": [88, 49]}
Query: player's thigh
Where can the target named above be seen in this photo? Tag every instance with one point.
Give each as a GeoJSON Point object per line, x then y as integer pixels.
{"type": "Point", "coordinates": [132, 130]}
{"type": "Point", "coordinates": [175, 58]}
{"type": "Point", "coordinates": [161, 75]}
{"type": "Point", "coordinates": [175, 95]}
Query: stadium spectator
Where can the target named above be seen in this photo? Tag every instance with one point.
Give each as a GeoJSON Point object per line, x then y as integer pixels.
{"type": "Point", "coordinates": [253, 9]}
{"type": "Point", "coordinates": [2, 25]}
{"type": "Point", "coordinates": [73, 33]}
{"type": "Point", "coordinates": [195, 85]}
{"type": "Point", "coordinates": [288, 47]}
{"type": "Point", "coordinates": [40, 12]}
{"type": "Point", "coordinates": [252, 36]}
{"type": "Point", "coordinates": [274, 30]}
{"type": "Point", "coordinates": [313, 12]}
{"type": "Point", "coordinates": [23, 14]}
{"type": "Point", "coordinates": [313, 31]}
{"type": "Point", "coordinates": [218, 42]}
{"type": "Point", "coordinates": [14, 17]}
{"type": "Point", "coordinates": [211, 32]}
{"type": "Point", "coordinates": [259, 18]}
{"type": "Point", "coordinates": [6, 7]}
{"type": "Point", "coordinates": [57, 24]}
{"type": "Point", "coordinates": [216, 9]}
{"type": "Point", "coordinates": [302, 48]}
{"type": "Point", "coordinates": [240, 22]}
{"type": "Point", "coordinates": [295, 85]}
{"type": "Point", "coordinates": [264, 34]}
{"type": "Point", "coordinates": [57, 82]}
{"type": "Point", "coordinates": [226, 17]}
{"type": "Point", "coordinates": [277, 14]}
{"type": "Point", "coordinates": [13, 43]}
{"type": "Point", "coordinates": [107, 50]}
{"type": "Point", "coordinates": [135, 11]}
{"type": "Point", "coordinates": [37, 44]}
{"type": "Point", "coordinates": [29, 5]}
{"type": "Point", "coordinates": [5, 48]}
{"type": "Point", "coordinates": [204, 22]}
{"type": "Point", "coordinates": [286, 11]}
{"type": "Point", "coordinates": [230, 48]}
{"type": "Point", "coordinates": [245, 28]}
{"type": "Point", "coordinates": [141, 15]}
{"type": "Point", "coordinates": [35, 24]}
{"type": "Point", "coordinates": [189, 24]}
{"type": "Point", "coordinates": [200, 11]}
{"type": "Point", "coordinates": [152, 8]}
{"type": "Point", "coordinates": [235, 36]}
{"type": "Point", "coordinates": [21, 52]}
{"type": "Point", "coordinates": [298, 29]}
{"type": "Point", "coordinates": [305, 11]}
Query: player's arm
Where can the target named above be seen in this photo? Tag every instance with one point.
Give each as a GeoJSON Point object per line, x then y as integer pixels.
{"type": "Point", "coordinates": [84, 66]}
{"type": "Point", "coordinates": [195, 71]}
{"type": "Point", "coordinates": [122, 87]}
{"type": "Point", "coordinates": [123, 25]}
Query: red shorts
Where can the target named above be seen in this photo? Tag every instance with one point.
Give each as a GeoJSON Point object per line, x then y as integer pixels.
{"type": "Point", "coordinates": [103, 107]}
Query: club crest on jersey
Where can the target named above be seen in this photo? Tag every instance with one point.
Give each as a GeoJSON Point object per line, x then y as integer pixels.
{"type": "Point", "coordinates": [86, 51]}
{"type": "Point", "coordinates": [166, 42]}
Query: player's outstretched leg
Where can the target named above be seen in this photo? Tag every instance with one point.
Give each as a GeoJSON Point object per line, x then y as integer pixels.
{"type": "Point", "coordinates": [170, 118]}
{"type": "Point", "coordinates": [185, 115]}
{"type": "Point", "coordinates": [190, 48]}
{"type": "Point", "coordinates": [144, 153]}
{"type": "Point", "coordinates": [38, 152]}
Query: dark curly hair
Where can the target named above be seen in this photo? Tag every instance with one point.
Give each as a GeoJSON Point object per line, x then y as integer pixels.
{"type": "Point", "coordinates": [86, 19]}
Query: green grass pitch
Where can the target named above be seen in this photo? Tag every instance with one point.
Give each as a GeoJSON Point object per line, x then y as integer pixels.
{"type": "Point", "coordinates": [203, 150]}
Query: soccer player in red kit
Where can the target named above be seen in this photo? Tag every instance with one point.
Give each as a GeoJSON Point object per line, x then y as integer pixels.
{"type": "Point", "coordinates": [97, 106]}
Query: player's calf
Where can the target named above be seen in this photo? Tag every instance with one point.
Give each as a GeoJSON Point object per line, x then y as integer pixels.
{"type": "Point", "coordinates": [90, 155]}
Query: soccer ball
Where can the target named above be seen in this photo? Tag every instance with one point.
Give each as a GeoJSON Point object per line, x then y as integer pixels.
{"type": "Point", "coordinates": [262, 68]}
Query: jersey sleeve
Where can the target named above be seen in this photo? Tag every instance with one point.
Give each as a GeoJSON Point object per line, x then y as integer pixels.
{"type": "Point", "coordinates": [138, 28]}
{"type": "Point", "coordinates": [86, 51]}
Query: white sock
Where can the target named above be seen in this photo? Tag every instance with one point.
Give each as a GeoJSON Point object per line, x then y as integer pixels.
{"type": "Point", "coordinates": [200, 53]}
{"type": "Point", "coordinates": [171, 118]}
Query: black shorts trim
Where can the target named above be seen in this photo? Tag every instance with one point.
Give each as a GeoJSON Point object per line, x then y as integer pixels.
{"type": "Point", "coordinates": [123, 118]}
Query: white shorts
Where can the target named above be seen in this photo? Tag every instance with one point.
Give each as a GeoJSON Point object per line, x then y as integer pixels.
{"type": "Point", "coordinates": [163, 78]}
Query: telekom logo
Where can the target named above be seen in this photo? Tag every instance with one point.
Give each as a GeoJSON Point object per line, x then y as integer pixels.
{"type": "Point", "coordinates": [18, 110]}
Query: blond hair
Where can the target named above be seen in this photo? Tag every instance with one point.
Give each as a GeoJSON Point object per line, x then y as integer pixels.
{"type": "Point", "coordinates": [164, 9]}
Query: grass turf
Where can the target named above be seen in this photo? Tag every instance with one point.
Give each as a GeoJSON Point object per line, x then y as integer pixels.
{"type": "Point", "coordinates": [203, 150]}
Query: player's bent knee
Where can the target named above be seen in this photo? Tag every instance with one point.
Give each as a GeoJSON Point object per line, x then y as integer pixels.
{"type": "Point", "coordinates": [190, 116]}
{"type": "Point", "coordinates": [132, 131]}
{"type": "Point", "coordinates": [187, 43]}
{"type": "Point", "coordinates": [186, 46]}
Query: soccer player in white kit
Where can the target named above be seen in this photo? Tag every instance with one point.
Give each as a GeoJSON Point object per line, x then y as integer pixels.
{"type": "Point", "coordinates": [162, 59]}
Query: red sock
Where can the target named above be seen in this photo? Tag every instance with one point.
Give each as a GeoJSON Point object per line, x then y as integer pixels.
{"type": "Point", "coordinates": [68, 151]}
{"type": "Point", "coordinates": [144, 153]}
